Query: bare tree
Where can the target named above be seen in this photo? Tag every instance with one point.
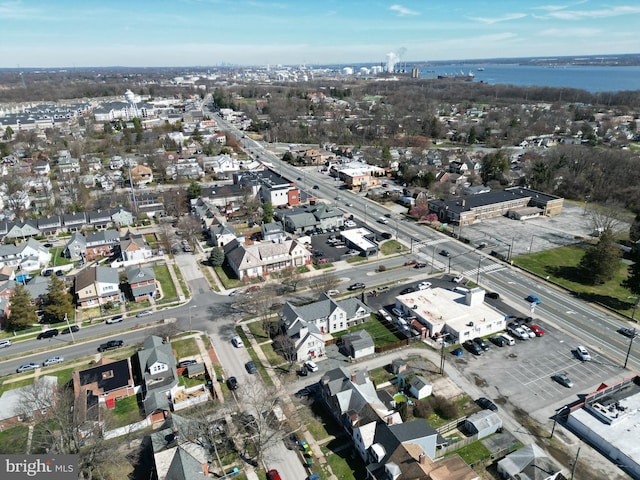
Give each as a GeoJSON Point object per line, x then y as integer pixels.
{"type": "Point", "coordinates": [285, 346]}
{"type": "Point", "coordinates": [324, 282]}
{"type": "Point", "coordinates": [192, 228]}
{"type": "Point", "coordinates": [605, 217]}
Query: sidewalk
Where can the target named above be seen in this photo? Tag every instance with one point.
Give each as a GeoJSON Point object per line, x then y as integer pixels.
{"type": "Point", "coordinates": [288, 405]}
{"type": "Point", "coordinates": [208, 356]}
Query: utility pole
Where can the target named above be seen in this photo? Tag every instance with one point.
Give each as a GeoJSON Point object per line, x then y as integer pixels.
{"type": "Point", "coordinates": [626, 360]}
{"type": "Point", "coordinates": [575, 464]}
{"type": "Point", "coordinates": [478, 274]}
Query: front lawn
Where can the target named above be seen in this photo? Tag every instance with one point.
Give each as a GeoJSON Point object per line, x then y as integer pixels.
{"type": "Point", "coordinates": [560, 265]}
{"type": "Point", "coordinates": [185, 348]}
{"type": "Point", "coordinates": [392, 246]}
{"type": "Point", "coordinates": [166, 283]}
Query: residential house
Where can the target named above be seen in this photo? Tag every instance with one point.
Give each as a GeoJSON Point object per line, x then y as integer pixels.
{"type": "Point", "coordinates": [135, 248]}
{"type": "Point", "coordinates": [97, 286]}
{"type": "Point", "coordinates": [68, 164]}
{"type": "Point", "coordinates": [74, 222]}
{"type": "Point", "coordinates": [76, 247]}
{"type": "Point", "coordinates": [121, 217]}
{"type": "Point", "coordinates": [272, 232]}
{"type": "Point", "coordinates": [221, 234]}
{"type": "Point", "coordinates": [308, 341]}
{"type": "Point", "coordinates": [270, 186]}
{"type": "Point", "coordinates": [50, 225]}
{"type": "Point", "coordinates": [177, 453]}
{"type": "Point", "coordinates": [529, 462]}
{"type": "Point", "coordinates": [9, 256]}
{"type": "Point", "coordinates": [357, 344]}
{"type": "Point", "coordinates": [328, 315]}
{"type": "Point", "coordinates": [142, 281]}
{"type": "Point", "coordinates": [156, 373]}
{"type": "Point", "coordinates": [33, 255]}
{"type": "Point", "coordinates": [22, 230]}
{"type": "Point", "coordinates": [102, 243]}
{"type": "Point", "coordinates": [13, 410]}
{"type": "Point", "coordinates": [260, 259]}
{"type": "Point", "coordinates": [102, 385]}
{"type": "Point", "coordinates": [141, 175]}
{"type": "Point", "coordinates": [99, 219]}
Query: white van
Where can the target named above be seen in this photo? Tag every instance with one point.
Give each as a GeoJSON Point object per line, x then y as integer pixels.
{"type": "Point", "coordinates": [508, 338]}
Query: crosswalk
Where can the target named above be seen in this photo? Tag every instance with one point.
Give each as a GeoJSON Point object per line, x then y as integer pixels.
{"type": "Point", "coordinates": [494, 267]}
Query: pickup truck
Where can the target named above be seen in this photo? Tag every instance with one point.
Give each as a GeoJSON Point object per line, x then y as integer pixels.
{"type": "Point", "coordinates": [111, 345]}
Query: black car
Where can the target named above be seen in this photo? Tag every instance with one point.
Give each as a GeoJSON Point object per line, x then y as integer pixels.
{"type": "Point", "coordinates": [232, 383]}
{"type": "Point", "coordinates": [48, 334]}
{"type": "Point", "coordinates": [315, 187]}
{"type": "Point", "coordinates": [111, 345]}
{"type": "Point", "coordinates": [445, 253]}
{"type": "Point", "coordinates": [357, 286]}
{"type": "Point", "coordinates": [420, 265]}
{"type": "Point", "coordinates": [303, 372]}
{"type": "Point", "coordinates": [481, 343]}
{"type": "Point", "coordinates": [404, 291]}
{"type": "Point", "coordinates": [251, 367]}
{"type": "Point", "coordinates": [493, 295]}
{"type": "Point", "coordinates": [386, 235]}
{"type": "Point", "coordinates": [628, 332]}
{"type": "Point", "coordinates": [187, 363]}
{"type": "Point", "coordinates": [72, 328]}
{"type": "Point", "coordinates": [487, 404]}
{"type": "Point", "coordinates": [499, 340]}
{"type": "Point", "coordinates": [59, 273]}
{"type": "Point", "coordinates": [473, 347]}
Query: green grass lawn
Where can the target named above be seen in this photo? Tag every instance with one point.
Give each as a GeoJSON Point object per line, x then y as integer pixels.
{"type": "Point", "coordinates": [474, 452]}
{"type": "Point", "coordinates": [185, 348]}
{"type": "Point", "coordinates": [392, 246]}
{"type": "Point", "coordinates": [57, 259]}
{"type": "Point", "coordinates": [380, 334]}
{"type": "Point", "coordinates": [126, 411]}
{"type": "Point", "coordinates": [560, 265]}
{"type": "Point", "coordinates": [257, 331]}
{"type": "Point", "coordinates": [226, 278]}
{"type": "Point", "coordinates": [17, 384]}
{"type": "Point", "coordinates": [14, 440]}
{"type": "Point", "coordinates": [151, 239]}
{"type": "Point", "coordinates": [357, 259]}
{"type": "Point", "coordinates": [322, 266]}
{"type": "Point", "coordinates": [166, 282]}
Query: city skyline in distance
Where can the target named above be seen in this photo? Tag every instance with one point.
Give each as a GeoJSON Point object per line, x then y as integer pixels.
{"type": "Point", "coordinates": [163, 33]}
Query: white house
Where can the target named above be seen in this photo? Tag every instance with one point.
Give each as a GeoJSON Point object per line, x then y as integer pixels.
{"type": "Point", "coordinates": [419, 387]}
{"type": "Point", "coordinates": [33, 251]}
{"type": "Point", "coordinates": [307, 339]}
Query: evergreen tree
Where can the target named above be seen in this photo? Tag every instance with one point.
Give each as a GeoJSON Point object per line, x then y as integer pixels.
{"type": "Point", "coordinates": [634, 230]}
{"type": "Point", "coordinates": [194, 190]}
{"type": "Point", "coordinates": [216, 257]}
{"type": "Point", "coordinates": [58, 302]}
{"type": "Point", "coordinates": [23, 312]}
{"type": "Point", "coordinates": [601, 262]}
{"type": "Point", "coordinates": [632, 282]}
{"type": "Point", "coordinates": [267, 212]}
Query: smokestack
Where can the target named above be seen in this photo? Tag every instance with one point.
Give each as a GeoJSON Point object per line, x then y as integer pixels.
{"type": "Point", "coordinates": [422, 459]}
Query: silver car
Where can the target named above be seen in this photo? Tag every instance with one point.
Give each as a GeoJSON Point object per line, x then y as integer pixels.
{"type": "Point", "coordinates": [52, 361]}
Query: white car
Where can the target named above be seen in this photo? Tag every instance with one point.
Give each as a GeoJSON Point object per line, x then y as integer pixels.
{"type": "Point", "coordinates": [424, 285]}
{"type": "Point", "coordinates": [237, 342]}
{"type": "Point", "coordinates": [311, 366]}
{"type": "Point", "coordinates": [583, 354]}
{"type": "Point", "coordinates": [383, 220]}
{"type": "Point", "coordinates": [520, 333]}
{"type": "Point", "coordinates": [457, 278]}
{"type": "Point", "coordinates": [333, 292]}
{"type": "Point", "coordinates": [530, 332]}
{"type": "Point", "coordinates": [52, 361]}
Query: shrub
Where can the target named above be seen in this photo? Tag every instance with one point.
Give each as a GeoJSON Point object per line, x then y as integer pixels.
{"type": "Point", "coordinates": [422, 409]}
{"type": "Point", "coordinates": [444, 407]}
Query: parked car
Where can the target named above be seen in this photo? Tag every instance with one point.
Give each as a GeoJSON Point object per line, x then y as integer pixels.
{"type": "Point", "coordinates": [111, 345]}
{"type": "Point", "coordinates": [424, 285]}
{"type": "Point", "coordinates": [518, 333]}
{"type": "Point", "coordinates": [563, 379]}
{"type": "Point", "coordinates": [357, 286]}
{"type": "Point", "coordinates": [397, 312]}
{"type": "Point", "coordinates": [508, 338]}
{"type": "Point", "coordinates": [457, 278]}
{"type": "Point", "coordinates": [333, 292]}
{"type": "Point", "coordinates": [251, 367]}
{"type": "Point", "coordinates": [5, 343]}
{"type": "Point", "coordinates": [237, 342]}
{"type": "Point", "coordinates": [445, 253]}
{"type": "Point", "coordinates": [481, 343]}
{"type": "Point", "coordinates": [48, 334]}
{"type": "Point", "coordinates": [533, 299]}
{"type": "Point", "coordinates": [472, 347]}
{"type": "Point", "coordinates": [187, 363]}
{"type": "Point", "coordinates": [311, 366]}
{"type": "Point", "coordinates": [407, 290]}
{"type": "Point", "coordinates": [583, 354]}
{"type": "Point", "coordinates": [25, 367]}
{"type": "Point", "coordinates": [492, 295]}
{"type": "Point", "coordinates": [116, 319]}
{"type": "Point", "coordinates": [386, 235]}
{"type": "Point", "coordinates": [529, 332]}
{"type": "Point", "coordinates": [232, 383]}
{"type": "Point", "coordinates": [457, 352]}
{"type": "Point", "coordinates": [52, 361]}
{"type": "Point", "coordinates": [499, 340]}
{"type": "Point", "coordinates": [303, 372]}
{"type": "Point", "coordinates": [537, 330]}
{"type": "Point", "coordinates": [273, 475]}
{"type": "Point", "coordinates": [628, 332]}
{"type": "Point", "coordinates": [67, 330]}
{"type": "Point", "coordinates": [144, 313]}
{"type": "Point", "coordinates": [484, 402]}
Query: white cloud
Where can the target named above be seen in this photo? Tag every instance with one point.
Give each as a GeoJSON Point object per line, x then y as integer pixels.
{"type": "Point", "coordinates": [570, 32]}
{"type": "Point", "coordinates": [505, 18]}
{"type": "Point", "coordinates": [16, 10]}
{"type": "Point", "coordinates": [402, 11]}
{"type": "Point", "coordinates": [603, 13]}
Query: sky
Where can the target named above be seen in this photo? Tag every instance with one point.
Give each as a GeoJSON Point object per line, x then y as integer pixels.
{"type": "Point", "coordinates": [145, 33]}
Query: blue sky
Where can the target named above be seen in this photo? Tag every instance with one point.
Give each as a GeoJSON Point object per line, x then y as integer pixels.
{"type": "Point", "coordinates": [67, 33]}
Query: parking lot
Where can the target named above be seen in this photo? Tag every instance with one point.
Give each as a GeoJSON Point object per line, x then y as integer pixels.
{"type": "Point", "coordinates": [522, 374]}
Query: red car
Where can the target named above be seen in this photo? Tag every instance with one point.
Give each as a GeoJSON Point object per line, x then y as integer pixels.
{"type": "Point", "coordinates": [273, 475]}
{"type": "Point", "coordinates": [537, 330]}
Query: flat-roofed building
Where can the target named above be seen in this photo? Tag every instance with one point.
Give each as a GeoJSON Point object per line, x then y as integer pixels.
{"type": "Point", "coordinates": [461, 315]}
{"type": "Point", "coordinates": [359, 239]}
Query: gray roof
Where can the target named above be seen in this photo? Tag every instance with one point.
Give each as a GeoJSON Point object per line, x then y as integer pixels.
{"type": "Point", "coordinates": [359, 340]}
{"type": "Point", "coordinates": [302, 220]}
{"type": "Point", "coordinates": [103, 237]}
{"type": "Point", "coordinates": [12, 399]}
{"type": "Point", "coordinates": [89, 276]}
{"type": "Point", "coordinates": [137, 274]}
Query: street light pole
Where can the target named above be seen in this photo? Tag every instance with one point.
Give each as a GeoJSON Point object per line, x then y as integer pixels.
{"type": "Point", "coordinates": [626, 360]}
